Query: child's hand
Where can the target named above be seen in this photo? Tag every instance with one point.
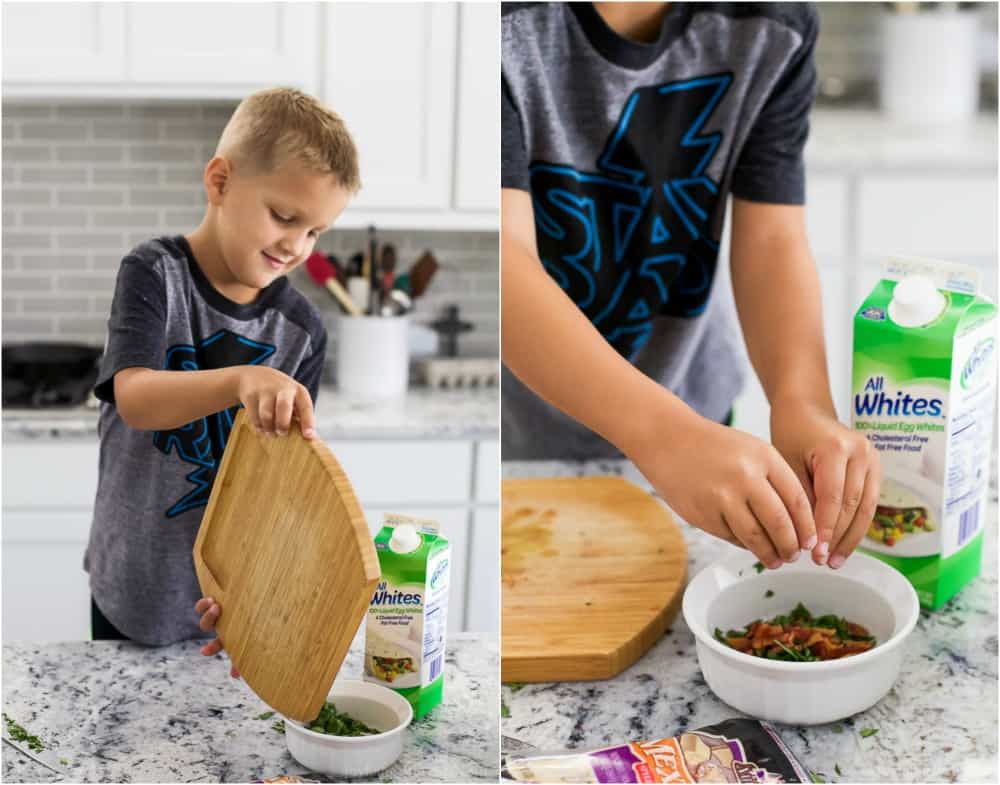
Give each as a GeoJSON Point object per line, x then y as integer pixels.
{"type": "Point", "coordinates": [731, 485]}
{"type": "Point", "coordinates": [210, 612]}
{"type": "Point", "coordinates": [272, 399]}
{"type": "Point", "coordinates": [840, 471]}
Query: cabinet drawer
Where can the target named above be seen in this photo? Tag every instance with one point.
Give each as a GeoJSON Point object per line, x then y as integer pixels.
{"type": "Point", "coordinates": [50, 475]}
{"type": "Point", "coordinates": [941, 216]}
{"type": "Point", "coordinates": [488, 472]}
{"type": "Point", "coordinates": [407, 472]}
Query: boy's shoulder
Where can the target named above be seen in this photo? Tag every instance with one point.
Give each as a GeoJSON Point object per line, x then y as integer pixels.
{"type": "Point", "coordinates": [296, 307]}
{"type": "Point", "coordinates": [155, 251]}
{"type": "Point", "coordinates": [801, 17]}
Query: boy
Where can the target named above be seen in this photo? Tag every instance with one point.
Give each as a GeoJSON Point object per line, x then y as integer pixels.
{"type": "Point", "coordinates": [625, 126]}
{"type": "Point", "coordinates": [201, 324]}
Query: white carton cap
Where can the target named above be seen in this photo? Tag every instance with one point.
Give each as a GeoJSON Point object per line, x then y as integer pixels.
{"type": "Point", "coordinates": [405, 539]}
{"type": "Point", "coordinates": [915, 302]}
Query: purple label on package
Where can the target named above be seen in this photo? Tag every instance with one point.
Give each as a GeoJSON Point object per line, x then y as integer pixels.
{"type": "Point", "coordinates": [614, 764]}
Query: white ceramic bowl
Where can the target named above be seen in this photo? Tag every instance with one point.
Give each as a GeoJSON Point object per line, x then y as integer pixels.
{"type": "Point", "coordinates": [354, 756]}
{"type": "Point", "coordinates": [731, 593]}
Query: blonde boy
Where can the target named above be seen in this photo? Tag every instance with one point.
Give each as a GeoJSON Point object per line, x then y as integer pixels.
{"type": "Point", "coordinates": [201, 324]}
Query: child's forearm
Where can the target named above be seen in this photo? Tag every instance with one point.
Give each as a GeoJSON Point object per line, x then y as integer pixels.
{"type": "Point", "coordinates": [554, 349]}
{"type": "Point", "coordinates": [151, 400]}
{"type": "Point", "coordinates": [777, 294]}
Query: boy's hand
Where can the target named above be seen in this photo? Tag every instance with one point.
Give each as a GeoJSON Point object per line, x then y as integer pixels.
{"type": "Point", "coordinates": [840, 471]}
{"type": "Point", "coordinates": [210, 612]}
{"type": "Point", "coordinates": [731, 485]}
{"type": "Point", "coordinates": [272, 398]}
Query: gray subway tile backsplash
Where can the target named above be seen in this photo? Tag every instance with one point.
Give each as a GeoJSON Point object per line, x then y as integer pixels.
{"type": "Point", "coordinates": [85, 182]}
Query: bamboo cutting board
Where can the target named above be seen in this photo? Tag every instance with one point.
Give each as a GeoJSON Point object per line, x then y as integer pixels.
{"type": "Point", "coordinates": [593, 570]}
{"type": "Point", "coordinates": [285, 550]}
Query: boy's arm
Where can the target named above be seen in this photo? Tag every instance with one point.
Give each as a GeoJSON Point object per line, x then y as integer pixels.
{"type": "Point", "coordinates": [739, 488]}
{"type": "Point", "coordinates": [163, 400]}
{"type": "Point", "coordinates": [778, 299]}
{"type": "Point", "coordinates": [149, 400]}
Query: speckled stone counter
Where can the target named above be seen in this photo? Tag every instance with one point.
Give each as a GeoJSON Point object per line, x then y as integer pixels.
{"type": "Point", "coordinates": [124, 713]}
{"type": "Point", "coordinates": [937, 724]}
{"type": "Point", "coordinates": [423, 413]}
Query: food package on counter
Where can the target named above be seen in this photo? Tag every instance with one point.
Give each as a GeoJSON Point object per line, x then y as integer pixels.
{"type": "Point", "coordinates": [736, 750]}
{"type": "Point", "coordinates": [408, 614]}
{"type": "Point", "coordinates": [923, 393]}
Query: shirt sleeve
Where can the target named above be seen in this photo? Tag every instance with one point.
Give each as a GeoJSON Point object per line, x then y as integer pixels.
{"type": "Point", "coordinates": [513, 153]}
{"type": "Point", "coordinates": [137, 325]}
{"type": "Point", "coordinates": [310, 372]}
{"type": "Point", "coordinates": [770, 167]}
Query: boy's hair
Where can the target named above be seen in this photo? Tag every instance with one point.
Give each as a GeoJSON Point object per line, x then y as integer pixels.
{"type": "Point", "coordinates": [271, 126]}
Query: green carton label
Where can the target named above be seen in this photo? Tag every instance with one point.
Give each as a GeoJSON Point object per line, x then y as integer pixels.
{"type": "Point", "coordinates": [922, 393]}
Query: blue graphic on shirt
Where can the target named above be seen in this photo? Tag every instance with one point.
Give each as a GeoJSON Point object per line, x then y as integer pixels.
{"type": "Point", "coordinates": [202, 442]}
{"type": "Point", "coordinates": [634, 240]}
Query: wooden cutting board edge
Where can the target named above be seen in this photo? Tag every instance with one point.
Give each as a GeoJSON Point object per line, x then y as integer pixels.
{"type": "Point", "coordinates": [594, 665]}
{"type": "Point", "coordinates": [372, 571]}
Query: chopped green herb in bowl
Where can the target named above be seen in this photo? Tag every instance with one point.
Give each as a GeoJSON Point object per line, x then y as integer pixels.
{"type": "Point", "coordinates": [335, 723]}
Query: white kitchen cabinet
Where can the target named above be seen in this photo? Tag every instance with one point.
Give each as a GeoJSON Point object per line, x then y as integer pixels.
{"type": "Point", "coordinates": [390, 73]}
{"type": "Point", "coordinates": [46, 596]}
{"type": "Point", "coordinates": [417, 83]}
{"type": "Point", "coordinates": [483, 594]}
{"type": "Point", "coordinates": [477, 167]}
{"type": "Point", "coordinates": [827, 218]}
{"type": "Point", "coordinates": [158, 50]}
{"type": "Point", "coordinates": [488, 472]}
{"type": "Point", "coordinates": [50, 475]}
{"type": "Point", "coordinates": [48, 497]}
{"type": "Point", "coordinates": [416, 472]}
{"type": "Point", "coordinates": [930, 215]}
{"type": "Point", "coordinates": [62, 42]}
{"type": "Point", "coordinates": [245, 46]}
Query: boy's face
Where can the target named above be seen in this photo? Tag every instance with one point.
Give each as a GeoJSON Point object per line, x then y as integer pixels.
{"type": "Point", "coordinates": [268, 223]}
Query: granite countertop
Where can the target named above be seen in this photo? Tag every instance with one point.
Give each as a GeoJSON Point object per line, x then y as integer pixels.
{"type": "Point", "coordinates": [937, 724]}
{"type": "Point", "coordinates": [119, 712]}
{"type": "Point", "coordinates": [424, 413]}
{"type": "Point", "coordinates": [864, 141]}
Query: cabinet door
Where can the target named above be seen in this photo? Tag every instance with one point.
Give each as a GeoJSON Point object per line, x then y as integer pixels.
{"type": "Point", "coordinates": [477, 185]}
{"type": "Point", "coordinates": [46, 594]}
{"type": "Point", "coordinates": [63, 42]}
{"type": "Point", "coordinates": [390, 73]}
{"type": "Point", "coordinates": [487, 487]}
{"type": "Point", "coordinates": [454, 523]}
{"type": "Point", "coordinates": [249, 45]}
{"type": "Point", "coordinates": [483, 596]}
{"type": "Point", "coordinates": [407, 473]}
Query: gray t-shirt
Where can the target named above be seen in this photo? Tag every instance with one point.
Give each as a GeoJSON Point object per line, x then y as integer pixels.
{"type": "Point", "coordinates": [153, 486]}
{"type": "Point", "coordinates": [629, 152]}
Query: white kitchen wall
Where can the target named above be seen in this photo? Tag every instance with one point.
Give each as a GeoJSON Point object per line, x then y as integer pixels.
{"type": "Point", "coordinates": [84, 182]}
